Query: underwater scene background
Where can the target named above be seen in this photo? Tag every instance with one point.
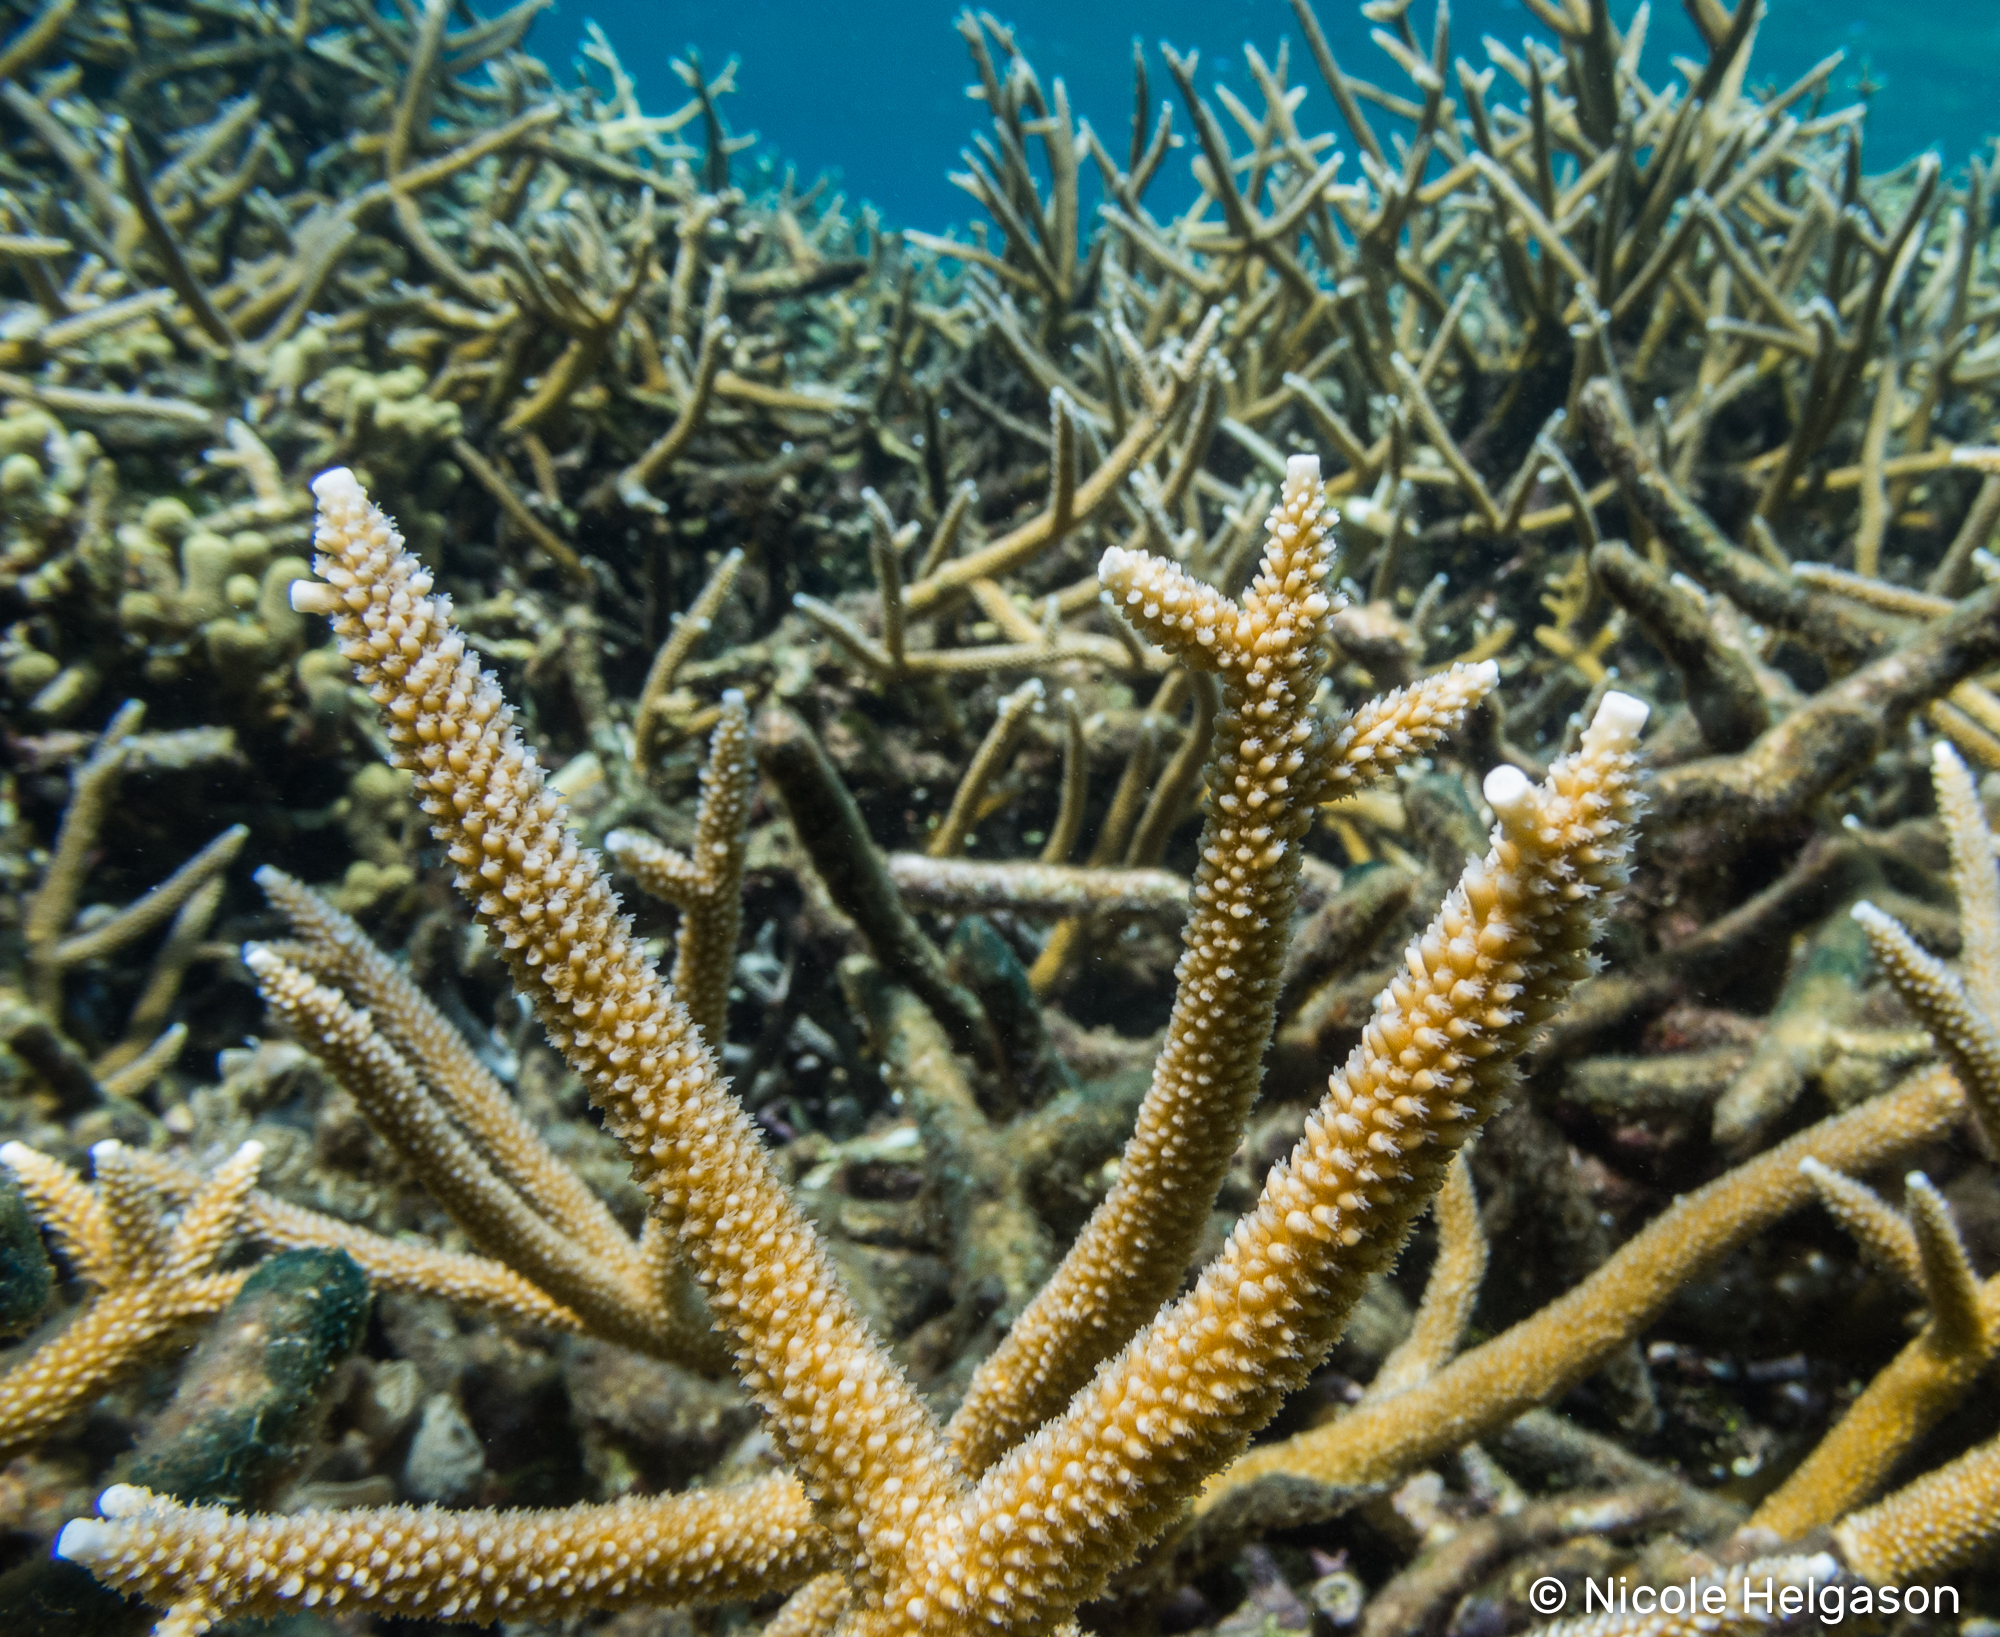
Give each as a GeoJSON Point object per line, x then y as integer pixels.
{"type": "Point", "coordinates": [1207, 845]}
{"type": "Point", "coordinates": [877, 94]}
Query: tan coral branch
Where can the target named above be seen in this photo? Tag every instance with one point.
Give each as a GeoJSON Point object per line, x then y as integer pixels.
{"type": "Point", "coordinates": [708, 887]}
{"type": "Point", "coordinates": [1051, 1519]}
{"type": "Point", "coordinates": [205, 1563]}
{"type": "Point", "coordinates": [1542, 1355]}
{"type": "Point", "coordinates": [838, 1405]}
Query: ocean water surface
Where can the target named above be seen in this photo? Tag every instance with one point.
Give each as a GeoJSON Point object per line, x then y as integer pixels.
{"type": "Point", "coordinates": [875, 94]}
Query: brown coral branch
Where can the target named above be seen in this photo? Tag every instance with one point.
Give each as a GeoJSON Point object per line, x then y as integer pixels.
{"type": "Point", "coordinates": [1840, 729]}
{"type": "Point", "coordinates": [1761, 591]}
{"type": "Point", "coordinates": [632, 483]}
{"type": "Point", "coordinates": [1717, 677]}
{"type": "Point", "coordinates": [648, 714]}
{"type": "Point", "coordinates": [173, 261]}
{"type": "Point", "coordinates": [552, 545]}
{"type": "Point", "coordinates": [830, 829]}
{"type": "Point", "coordinates": [1009, 723]}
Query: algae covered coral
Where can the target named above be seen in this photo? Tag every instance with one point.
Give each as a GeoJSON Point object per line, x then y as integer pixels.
{"type": "Point", "coordinates": [1105, 891]}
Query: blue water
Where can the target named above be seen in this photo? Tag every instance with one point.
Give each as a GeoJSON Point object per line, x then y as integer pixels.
{"type": "Point", "coordinates": [876, 93]}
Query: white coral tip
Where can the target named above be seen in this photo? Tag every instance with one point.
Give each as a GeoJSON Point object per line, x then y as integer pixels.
{"type": "Point", "coordinates": [1488, 672]}
{"type": "Point", "coordinates": [1944, 758]}
{"type": "Point", "coordinates": [1869, 916]}
{"type": "Point", "coordinates": [337, 483]}
{"type": "Point", "coordinates": [1619, 718]}
{"type": "Point", "coordinates": [83, 1539]}
{"type": "Point", "coordinates": [121, 1501]}
{"type": "Point", "coordinates": [313, 597]}
{"type": "Point", "coordinates": [1509, 791]}
{"type": "Point", "coordinates": [1301, 469]}
{"type": "Point", "coordinates": [13, 1153]}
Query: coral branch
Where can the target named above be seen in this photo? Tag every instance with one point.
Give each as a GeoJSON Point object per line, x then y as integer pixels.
{"type": "Point", "coordinates": [839, 1407]}
{"type": "Point", "coordinates": [654, 1552]}
{"type": "Point", "coordinates": [1538, 1358]}
{"type": "Point", "coordinates": [1067, 1505]}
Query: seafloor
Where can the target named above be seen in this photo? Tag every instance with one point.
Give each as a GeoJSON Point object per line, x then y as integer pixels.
{"type": "Point", "coordinates": [1622, 373]}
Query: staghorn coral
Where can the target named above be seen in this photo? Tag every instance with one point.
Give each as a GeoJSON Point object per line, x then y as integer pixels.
{"type": "Point", "coordinates": [1508, 944]}
{"type": "Point", "coordinates": [599, 1273]}
{"type": "Point", "coordinates": [669, 1549]}
{"type": "Point", "coordinates": [150, 1285]}
{"type": "Point", "coordinates": [1488, 1386]}
{"type": "Point", "coordinates": [1131, 1253]}
{"type": "Point", "coordinates": [392, 1265]}
{"type": "Point", "coordinates": [1943, 1521]}
{"type": "Point", "coordinates": [1927, 1379]}
{"type": "Point", "coordinates": [707, 886]}
{"type": "Point", "coordinates": [425, 1091]}
{"type": "Point", "coordinates": [1909, 1396]}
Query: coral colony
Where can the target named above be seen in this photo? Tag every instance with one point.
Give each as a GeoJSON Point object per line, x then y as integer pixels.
{"type": "Point", "coordinates": [1270, 908]}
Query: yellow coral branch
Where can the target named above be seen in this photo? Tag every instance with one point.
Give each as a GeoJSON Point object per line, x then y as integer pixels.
{"type": "Point", "coordinates": [1449, 1292]}
{"type": "Point", "coordinates": [404, 1016]}
{"type": "Point", "coordinates": [614, 1296]}
{"type": "Point", "coordinates": [1944, 1520]}
{"type": "Point", "coordinates": [151, 1283]}
{"type": "Point", "coordinates": [1135, 1248]}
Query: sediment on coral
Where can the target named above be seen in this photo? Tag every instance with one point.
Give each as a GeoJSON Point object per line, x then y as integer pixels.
{"type": "Point", "coordinates": [1042, 806]}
